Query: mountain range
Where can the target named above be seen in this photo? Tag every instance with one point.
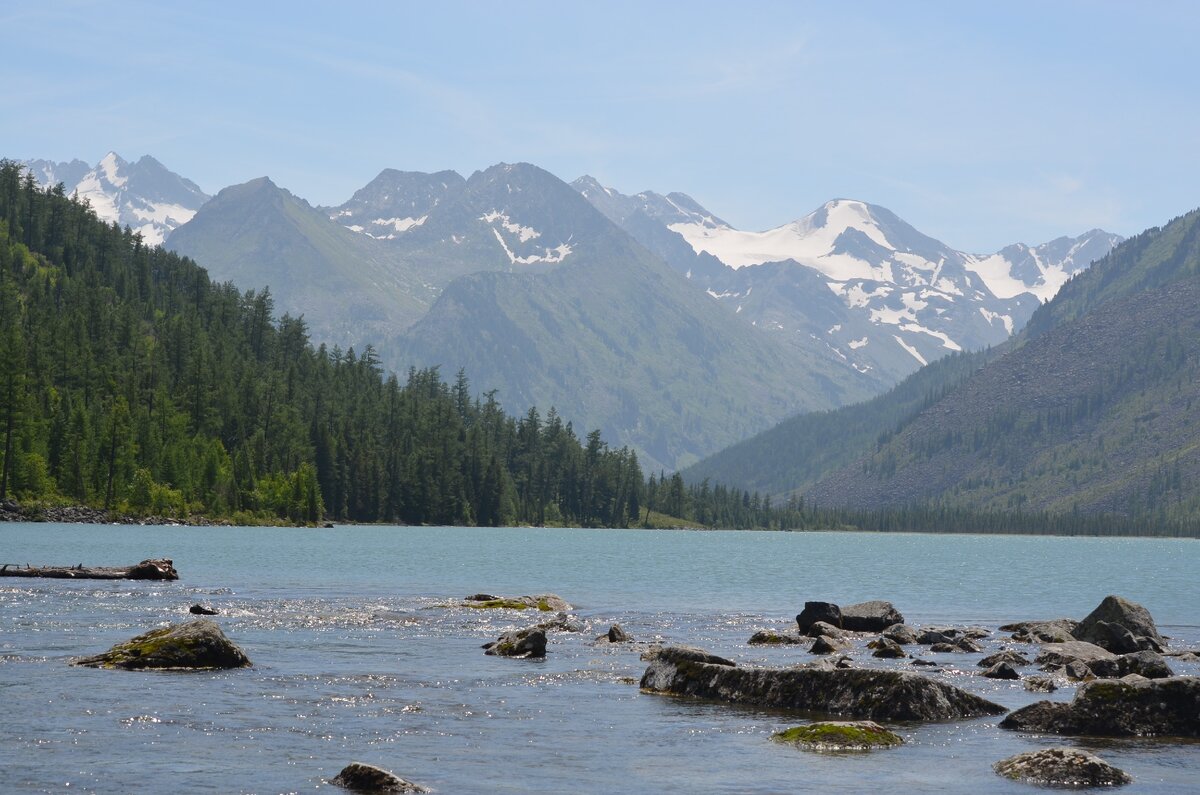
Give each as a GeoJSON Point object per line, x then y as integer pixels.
{"type": "Point", "coordinates": [646, 316]}
{"type": "Point", "coordinates": [1089, 410]}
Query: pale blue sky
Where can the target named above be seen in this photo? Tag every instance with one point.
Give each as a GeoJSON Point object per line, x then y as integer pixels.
{"type": "Point", "coordinates": [981, 124]}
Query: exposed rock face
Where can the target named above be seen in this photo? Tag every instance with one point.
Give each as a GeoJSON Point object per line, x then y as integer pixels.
{"type": "Point", "coordinates": [1133, 706]}
{"type": "Point", "coordinates": [818, 611]}
{"type": "Point", "coordinates": [862, 735]}
{"type": "Point", "coordinates": [1130, 616]}
{"type": "Point", "coordinates": [196, 645]}
{"type": "Point", "coordinates": [368, 778]}
{"type": "Point", "coordinates": [854, 693]}
{"type": "Point", "coordinates": [522, 643]}
{"type": "Point", "coordinates": [1061, 767]}
{"type": "Point", "coordinates": [769, 637]}
{"type": "Point", "coordinates": [875, 616]}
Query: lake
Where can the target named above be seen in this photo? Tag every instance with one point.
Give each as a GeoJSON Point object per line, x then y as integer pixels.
{"type": "Point", "coordinates": [363, 651]}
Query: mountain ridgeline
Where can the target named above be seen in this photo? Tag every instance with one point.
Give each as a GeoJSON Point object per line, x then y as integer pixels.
{"type": "Point", "coordinates": [1091, 411]}
{"type": "Point", "coordinates": [129, 380]}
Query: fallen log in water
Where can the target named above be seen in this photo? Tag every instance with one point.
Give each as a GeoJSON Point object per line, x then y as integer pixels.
{"type": "Point", "coordinates": [160, 569]}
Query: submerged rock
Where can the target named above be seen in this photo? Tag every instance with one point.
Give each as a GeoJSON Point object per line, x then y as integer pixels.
{"type": "Point", "coordinates": [1008, 656]}
{"type": "Point", "coordinates": [1061, 767]}
{"type": "Point", "coordinates": [562, 623]}
{"type": "Point", "coordinates": [855, 692]}
{"type": "Point", "coordinates": [863, 735]}
{"type": "Point", "coordinates": [196, 645]}
{"type": "Point", "coordinates": [769, 637]}
{"type": "Point", "coordinates": [1120, 614]}
{"type": "Point", "coordinates": [201, 610]}
{"type": "Point", "coordinates": [546, 602]}
{"type": "Point", "coordinates": [367, 778]}
{"type": "Point", "coordinates": [524, 643]}
{"type": "Point", "coordinates": [874, 616]}
{"type": "Point", "coordinates": [1133, 706]}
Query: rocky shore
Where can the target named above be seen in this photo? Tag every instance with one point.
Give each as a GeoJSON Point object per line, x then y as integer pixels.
{"type": "Point", "coordinates": [81, 514]}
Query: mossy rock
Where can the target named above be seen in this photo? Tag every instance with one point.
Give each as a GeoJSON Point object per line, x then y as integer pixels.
{"type": "Point", "coordinates": [195, 645]}
{"type": "Point", "coordinates": [494, 604]}
{"type": "Point", "coordinates": [862, 735]}
{"type": "Point", "coordinates": [1061, 767]}
{"type": "Point", "coordinates": [546, 603]}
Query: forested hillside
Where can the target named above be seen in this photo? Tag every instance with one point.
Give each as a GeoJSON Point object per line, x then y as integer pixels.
{"type": "Point", "coordinates": [1092, 412]}
{"type": "Point", "coordinates": [130, 381]}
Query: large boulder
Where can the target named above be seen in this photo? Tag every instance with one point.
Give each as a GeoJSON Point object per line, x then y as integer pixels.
{"type": "Point", "coordinates": [861, 735]}
{"type": "Point", "coordinates": [875, 616]}
{"type": "Point", "coordinates": [851, 693]}
{"type": "Point", "coordinates": [358, 777]}
{"type": "Point", "coordinates": [195, 645]}
{"type": "Point", "coordinates": [1133, 706]}
{"type": "Point", "coordinates": [1128, 615]}
{"type": "Point", "coordinates": [818, 611]}
{"type": "Point", "coordinates": [1149, 664]}
{"type": "Point", "coordinates": [524, 643]}
{"type": "Point", "coordinates": [1061, 767]}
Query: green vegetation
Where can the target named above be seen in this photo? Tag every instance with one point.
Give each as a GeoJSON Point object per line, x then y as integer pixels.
{"type": "Point", "coordinates": [838, 736]}
{"type": "Point", "coordinates": [129, 381]}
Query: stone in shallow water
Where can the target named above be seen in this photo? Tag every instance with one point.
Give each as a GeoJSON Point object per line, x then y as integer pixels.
{"type": "Point", "coordinates": [1061, 767]}
{"type": "Point", "coordinates": [196, 645]}
{"type": "Point", "coordinates": [861, 735]}
{"type": "Point", "coordinates": [524, 643]}
{"type": "Point", "coordinates": [1133, 706]}
{"type": "Point", "coordinates": [358, 777]}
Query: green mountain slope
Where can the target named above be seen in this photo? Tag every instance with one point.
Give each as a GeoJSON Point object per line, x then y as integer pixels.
{"type": "Point", "coordinates": [351, 289]}
{"type": "Point", "coordinates": [1092, 410]}
{"type": "Point", "coordinates": [796, 453]}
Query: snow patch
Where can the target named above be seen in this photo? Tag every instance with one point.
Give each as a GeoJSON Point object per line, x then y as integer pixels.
{"type": "Point", "coordinates": [856, 344]}
{"type": "Point", "coordinates": [524, 233]}
{"type": "Point", "coordinates": [911, 350]}
{"type": "Point", "coordinates": [401, 224]}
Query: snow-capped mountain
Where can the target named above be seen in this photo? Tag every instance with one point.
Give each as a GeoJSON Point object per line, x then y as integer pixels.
{"type": "Point", "coordinates": [395, 202]}
{"type": "Point", "coordinates": [143, 195]}
{"type": "Point", "coordinates": [899, 298]}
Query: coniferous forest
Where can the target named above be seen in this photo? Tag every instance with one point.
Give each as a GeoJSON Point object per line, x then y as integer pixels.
{"type": "Point", "coordinates": [129, 381]}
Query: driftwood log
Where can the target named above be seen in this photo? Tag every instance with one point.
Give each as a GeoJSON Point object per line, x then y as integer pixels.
{"type": "Point", "coordinates": [160, 569]}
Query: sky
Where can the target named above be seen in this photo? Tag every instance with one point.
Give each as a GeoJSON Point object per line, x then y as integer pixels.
{"type": "Point", "coordinates": [982, 124]}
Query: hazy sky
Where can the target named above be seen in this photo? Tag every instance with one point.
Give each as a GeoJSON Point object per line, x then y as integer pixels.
{"type": "Point", "coordinates": [980, 124]}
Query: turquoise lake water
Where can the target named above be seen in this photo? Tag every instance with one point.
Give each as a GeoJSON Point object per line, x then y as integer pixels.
{"type": "Point", "coordinates": [362, 651]}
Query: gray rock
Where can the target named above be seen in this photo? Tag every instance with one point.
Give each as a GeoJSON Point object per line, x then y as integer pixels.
{"type": "Point", "coordinates": [1011, 657]}
{"type": "Point", "coordinates": [854, 692]}
{"type": "Point", "coordinates": [1060, 630]}
{"type": "Point", "coordinates": [1040, 684]}
{"type": "Point", "coordinates": [901, 633]}
{"type": "Point", "coordinates": [1054, 656]}
{"type": "Point", "coordinates": [827, 645]}
{"type": "Point", "coordinates": [522, 643]}
{"type": "Point", "coordinates": [1061, 767]}
{"type": "Point", "coordinates": [616, 634]}
{"type": "Point", "coordinates": [1129, 615]}
{"type": "Point", "coordinates": [886, 648]}
{"type": "Point", "coordinates": [769, 637]}
{"type": "Point", "coordinates": [930, 637]}
{"type": "Point", "coordinates": [201, 610]}
{"type": "Point", "coordinates": [944, 648]}
{"type": "Point", "coordinates": [818, 611]}
{"type": "Point", "coordinates": [928, 663]}
{"type": "Point", "coordinates": [1118, 708]}
{"type": "Point", "coordinates": [562, 622]}
{"type": "Point", "coordinates": [367, 778]}
{"type": "Point", "coordinates": [546, 602]}
{"type": "Point", "coordinates": [681, 654]}
{"type": "Point", "coordinates": [820, 629]}
{"type": "Point", "coordinates": [195, 645]}
{"type": "Point", "coordinates": [1001, 670]}
{"type": "Point", "coordinates": [1143, 663]}
{"type": "Point", "coordinates": [874, 616]}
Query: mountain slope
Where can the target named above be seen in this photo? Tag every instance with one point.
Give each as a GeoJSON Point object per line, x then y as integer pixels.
{"type": "Point", "coordinates": [599, 328]}
{"type": "Point", "coordinates": [1092, 411]}
{"type": "Point", "coordinates": [143, 195]}
{"type": "Point", "coordinates": [351, 289]}
{"type": "Point", "coordinates": [900, 298]}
